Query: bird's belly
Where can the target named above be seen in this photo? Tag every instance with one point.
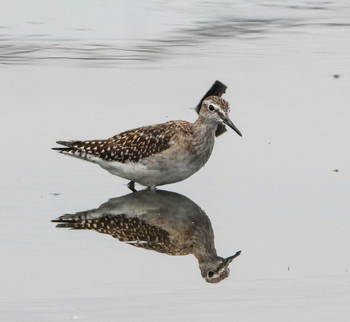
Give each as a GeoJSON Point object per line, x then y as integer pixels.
{"type": "Point", "coordinates": [155, 171]}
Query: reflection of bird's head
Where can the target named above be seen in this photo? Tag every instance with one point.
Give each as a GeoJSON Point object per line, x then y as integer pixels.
{"type": "Point", "coordinates": [215, 268]}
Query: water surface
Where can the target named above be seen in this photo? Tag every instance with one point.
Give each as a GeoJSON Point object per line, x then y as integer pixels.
{"type": "Point", "coordinates": [86, 70]}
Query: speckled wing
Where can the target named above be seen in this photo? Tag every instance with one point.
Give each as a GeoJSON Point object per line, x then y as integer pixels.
{"type": "Point", "coordinates": [132, 230]}
{"type": "Point", "coordinates": [141, 143]}
{"type": "Point", "coordinates": [132, 145]}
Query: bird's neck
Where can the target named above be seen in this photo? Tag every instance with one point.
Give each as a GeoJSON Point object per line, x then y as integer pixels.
{"type": "Point", "coordinates": [203, 138]}
{"type": "Point", "coordinates": [205, 128]}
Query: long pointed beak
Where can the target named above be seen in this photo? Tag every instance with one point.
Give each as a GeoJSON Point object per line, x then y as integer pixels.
{"type": "Point", "coordinates": [228, 260]}
{"type": "Point", "coordinates": [228, 122]}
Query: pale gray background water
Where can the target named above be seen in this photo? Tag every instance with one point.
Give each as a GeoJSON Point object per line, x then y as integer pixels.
{"type": "Point", "coordinates": [79, 70]}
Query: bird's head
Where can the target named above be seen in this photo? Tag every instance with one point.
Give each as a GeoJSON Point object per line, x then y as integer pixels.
{"type": "Point", "coordinates": [216, 109]}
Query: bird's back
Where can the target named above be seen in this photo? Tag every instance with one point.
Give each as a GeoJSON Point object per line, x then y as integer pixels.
{"type": "Point", "coordinates": [129, 146]}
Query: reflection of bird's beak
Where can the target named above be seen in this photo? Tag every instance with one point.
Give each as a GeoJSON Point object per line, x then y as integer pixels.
{"type": "Point", "coordinates": [228, 122]}
{"type": "Point", "coordinates": [228, 260]}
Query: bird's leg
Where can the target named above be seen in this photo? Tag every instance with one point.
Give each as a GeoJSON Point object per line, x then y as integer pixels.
{"type": "Point", "coordinates": [131, 186]}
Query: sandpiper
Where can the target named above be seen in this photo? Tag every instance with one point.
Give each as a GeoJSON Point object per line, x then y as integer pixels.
{"type": "Point", "coordinates": [158, 154]}
{"type": "Point", "coordinates": [162, 221]}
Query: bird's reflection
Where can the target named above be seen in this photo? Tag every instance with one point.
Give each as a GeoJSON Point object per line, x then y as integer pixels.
{"type": "Point", "coordinates": [162, 221]}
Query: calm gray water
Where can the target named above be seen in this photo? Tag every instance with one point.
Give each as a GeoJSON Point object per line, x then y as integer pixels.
{"type": "Point", "coordinates": [89, 70]}
{"type": "Point", "coordinates": [119, 33]}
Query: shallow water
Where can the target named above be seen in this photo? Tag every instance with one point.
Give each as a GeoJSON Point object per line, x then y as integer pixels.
{"type": "Point", "coordinates": [74, 71]}
{"type": "Point", "coordinates": [107, 33]}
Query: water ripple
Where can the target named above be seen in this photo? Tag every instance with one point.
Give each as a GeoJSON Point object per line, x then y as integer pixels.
{"type": "Point", "coordinates": [42, 47]}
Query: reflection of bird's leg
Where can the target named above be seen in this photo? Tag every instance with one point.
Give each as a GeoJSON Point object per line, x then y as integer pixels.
{"type": "Point", "coordinates": [131, 186]}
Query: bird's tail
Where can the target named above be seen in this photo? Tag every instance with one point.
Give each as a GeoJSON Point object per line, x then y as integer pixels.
{"type": "Point", "coordinates": [68, 145]}
{"type": "Point", "coordinates": [81, 220]}
{"type": "Point", "coordinates": [132, 230]}
{"type": "Point", "coordinates": [77, 149]}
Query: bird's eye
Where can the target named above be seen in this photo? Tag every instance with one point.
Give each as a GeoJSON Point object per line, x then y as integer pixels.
{"type": "Point", "coordinates": [211, 107]}
{"type": "Point", "coordinates": [210, 274]}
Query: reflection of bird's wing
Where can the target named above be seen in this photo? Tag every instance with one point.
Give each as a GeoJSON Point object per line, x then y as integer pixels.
{"type": "Point", "coordinates": [163, 221]}
{"type": "Point", "coordinates": [132, 230]}
{"type": "Point", "coordinates": [217, 89]}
